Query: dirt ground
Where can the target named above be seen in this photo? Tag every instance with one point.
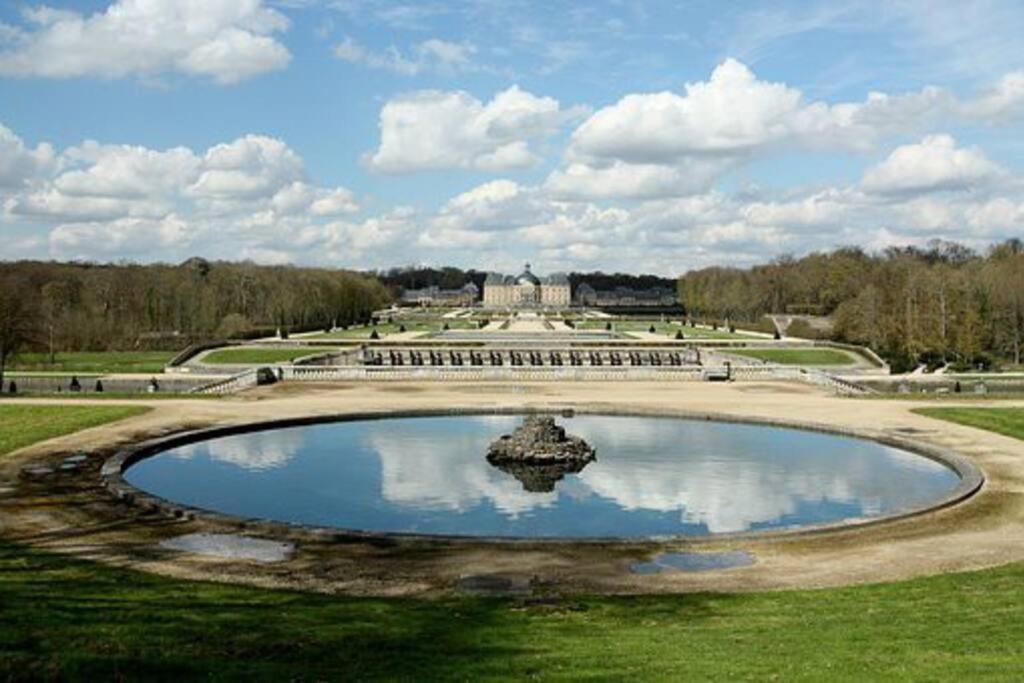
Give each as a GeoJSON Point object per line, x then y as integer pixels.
{"type": "Point", "coordinates": [76, 514]}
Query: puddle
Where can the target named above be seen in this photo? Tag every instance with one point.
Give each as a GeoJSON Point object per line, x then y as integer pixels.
{"type": "Point", "coordinates": [231, 547]}
{"type": "Point", "coordinates": [37, 471]}
{"type": "Point", "coordinates": [693, 562]}
{"type": "Point", "coordinates": [492, 584]}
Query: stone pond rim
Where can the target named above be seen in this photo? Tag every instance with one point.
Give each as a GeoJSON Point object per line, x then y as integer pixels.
{"type": "Point", "coordinates": [971, 476]}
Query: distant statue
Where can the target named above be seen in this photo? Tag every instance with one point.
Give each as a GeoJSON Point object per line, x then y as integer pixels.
{"type": "Point", "coordinates": [99, 386]}
{"type": "Point", "coordinates": [75, 385]}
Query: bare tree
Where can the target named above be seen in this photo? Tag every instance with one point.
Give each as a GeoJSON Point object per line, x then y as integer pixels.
{"type": "Point", "coordinates": [16, 321]}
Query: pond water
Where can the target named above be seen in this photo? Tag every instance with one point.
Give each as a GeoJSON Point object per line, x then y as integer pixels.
{"type": "Point", "coordinates": [653, 476]}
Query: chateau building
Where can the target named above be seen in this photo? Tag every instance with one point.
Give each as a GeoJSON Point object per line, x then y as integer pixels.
{"type": "Point", "coordinates": [435, 296]}
{"type": "Point", "coordinates": [526, 290]}
{"type": "Point", "coordinates": [625, 297]}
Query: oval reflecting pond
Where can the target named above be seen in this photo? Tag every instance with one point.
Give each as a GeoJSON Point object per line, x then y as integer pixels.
{"type": "Point", "coordinates": [653, 476]}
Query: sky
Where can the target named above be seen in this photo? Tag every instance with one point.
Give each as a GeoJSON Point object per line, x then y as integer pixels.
{"type": "Point", "coordinates": [615, 135]}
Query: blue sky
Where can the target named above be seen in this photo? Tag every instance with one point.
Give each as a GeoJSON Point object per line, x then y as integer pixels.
{"type": "Point", "coordinates": [615, 135]}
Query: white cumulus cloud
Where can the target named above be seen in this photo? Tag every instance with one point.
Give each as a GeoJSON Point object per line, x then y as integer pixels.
{"type": "Point", "coordinates": [18, 163]}
{"type": "Point", "coordinates": [672, 144]}
{"type": "Point", "coordinates": [434, 129]}
{"type": "Point", "coordinates": [934, 164]}
{"type": "Point", "coordinates": [248, 197]}
{"type": "Point", "coordinates": [224, 40]}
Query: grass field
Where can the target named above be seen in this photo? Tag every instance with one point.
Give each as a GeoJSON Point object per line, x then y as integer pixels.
{"type": "Point", "coordinates": [98, 362]}
{"type": "Point", "coordinates": [117, 396]}
{"type": "Point", "coordinates": [798, 356]}
{"type": "Point", "coordinates": [73, 620]}
{"type": "Point", "coordinates": [23, 425]}
{"type": "Point", "coordinates": [705, 333]}
{"type": "Point", "coordinates": [382, 330]}
{"type": "Point", "coordinates": [1007, 421]}
{"type": "Point", "coordinates": [667, 329]}
{"type": "Point", "coordinates": [385, 329]}
{"type": "Point", "coordinates": [255, 356]}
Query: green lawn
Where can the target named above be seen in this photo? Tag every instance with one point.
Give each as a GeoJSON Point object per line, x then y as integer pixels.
{"type": "Point", "coordinates": [79, 621]}
{"type": "Point", "coordinates": [798, 356]}
{"type": "Point", "coordinates": [667, 329]}
{"type": "Point", "coordinates": [382, 330]}
{"type": "Point", "coordinates": [116, 396]}
{"type": "Point", "coordinates": [705, 333]}
{"type": "Point", "coordinates": [96, 362]}
{"type": "Point", "coordinates": [1008, 421]}
{"type": "Point", "coordinates": [23, 425]}
{"type": "Point", "coordinates": [385, 329]}
{"type": "Point", "coordinates": [255, 355]}
{"type": "Point", "coordinates": [73, 620]}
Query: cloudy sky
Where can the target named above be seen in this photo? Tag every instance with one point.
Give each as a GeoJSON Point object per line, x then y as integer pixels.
{"type": "Point", "coordinates": [641, 136]}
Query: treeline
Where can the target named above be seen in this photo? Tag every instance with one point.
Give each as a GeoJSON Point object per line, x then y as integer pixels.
{"type": "Point", "coordinates": [92, 307]}
{"type": "Point", "coordinates": [608, 281]}
{"type": "Point", "coordinates": [935, 305]}
{"type": "Point", "coordinates": [418, 277]}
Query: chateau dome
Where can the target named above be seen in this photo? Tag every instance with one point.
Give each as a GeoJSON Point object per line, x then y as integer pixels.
{"type": "Point", "coordinates": [526, 277]}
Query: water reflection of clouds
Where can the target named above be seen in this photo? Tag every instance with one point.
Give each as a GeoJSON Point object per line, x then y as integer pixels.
{"type": "Point", "coordinates": [744, 475]}
{"type": "Point", "coordinates": [259, 451]}
{"type": "Point", "coordinates": [727, 478]}
{"type": "Point", "coordinates": [443, 470]}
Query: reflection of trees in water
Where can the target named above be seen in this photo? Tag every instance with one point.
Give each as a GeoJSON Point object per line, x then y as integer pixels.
{"type": "Point", "coordinates": [540, 478]}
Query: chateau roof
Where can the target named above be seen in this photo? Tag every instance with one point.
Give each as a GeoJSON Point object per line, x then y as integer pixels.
{"type": "Point", "coordinates": [557, 279]}
{"type": "Point", "coordinates": [527, 277]}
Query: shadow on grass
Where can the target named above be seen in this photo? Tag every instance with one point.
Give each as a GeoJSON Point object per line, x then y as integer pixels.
{"type": "Point", "coordinates": [72, 619]}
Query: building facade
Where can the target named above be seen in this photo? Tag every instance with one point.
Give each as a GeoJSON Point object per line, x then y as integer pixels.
{"type": "Point", "coordinates": [526, 290]}
{"type": "Point", "coordinates": [435, 296]}
{"type": "Point", "coordinates": [624, 297]}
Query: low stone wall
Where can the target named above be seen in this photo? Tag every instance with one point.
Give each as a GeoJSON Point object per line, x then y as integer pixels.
{"type": "Point", "coordinates": [947, 384]}
{"type": "Point", "coordinates": [691, 373]}
{"type": "Point", "coordinates": [492, 373]}
{"type": "Point", "coordinates": [62, 384]}
{"type": "Point", "coordinates": [246, 379]}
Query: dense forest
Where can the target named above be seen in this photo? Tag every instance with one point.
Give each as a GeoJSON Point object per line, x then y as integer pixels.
{"type": "Point", "coordinates": [78, 306]}
{"type": "Point", "coordinates": [944, 303]}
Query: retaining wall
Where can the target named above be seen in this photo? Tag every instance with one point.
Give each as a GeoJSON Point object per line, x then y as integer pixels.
{"type": "Point", "coordinates": [62, 384]}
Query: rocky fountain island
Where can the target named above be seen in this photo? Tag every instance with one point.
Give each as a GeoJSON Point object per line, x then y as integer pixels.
{"type": "Point", "coordinates": [539, 453]}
